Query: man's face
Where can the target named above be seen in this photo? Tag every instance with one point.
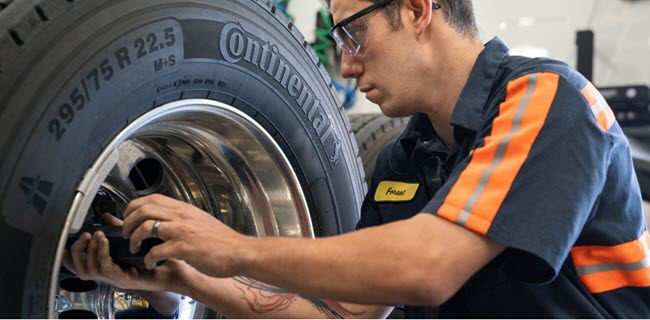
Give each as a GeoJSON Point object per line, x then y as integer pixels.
{"type": "Point", "coordinates": [383, 67]}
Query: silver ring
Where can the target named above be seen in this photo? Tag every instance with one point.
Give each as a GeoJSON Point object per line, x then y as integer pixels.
{"type": "Point", "coordinates": [154, 231]}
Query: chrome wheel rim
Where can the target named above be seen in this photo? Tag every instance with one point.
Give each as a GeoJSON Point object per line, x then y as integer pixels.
{"type": "Point", "coordinates": [202, 152]}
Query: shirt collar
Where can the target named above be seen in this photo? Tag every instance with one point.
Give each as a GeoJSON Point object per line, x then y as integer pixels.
{"type": "Point", "coordinates": [419, 128]}
{"type": "Point", "coordinates": [469, 108]}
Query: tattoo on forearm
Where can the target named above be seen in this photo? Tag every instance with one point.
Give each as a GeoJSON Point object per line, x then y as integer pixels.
{"type": "Point", "coordinates": [263, 298]}
{"type": "Point", "coordinates": [332, 309]}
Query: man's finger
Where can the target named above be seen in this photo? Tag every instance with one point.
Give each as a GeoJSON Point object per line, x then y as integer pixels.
{"type": "Point", "coordinates": [111, 219]}
{"type": "Point", "coordinates": [67, 262]}
{"type": "Point", "coordinates": [92, 263]}
{"type": "Point", "coordinates": [163, 251]}
{"type": "Point", "coordinates": [142, 214]}
{"type": "Point", "coordinates": [155, 199]}
{"type": "Point", "coordinates": [144, 231]}
{"type": "Point", "coordinates": [78, 253]}
{"type": "Point", "coordinates": [108, 267]}
{"type": "Point", "coordinates": [135, 218]}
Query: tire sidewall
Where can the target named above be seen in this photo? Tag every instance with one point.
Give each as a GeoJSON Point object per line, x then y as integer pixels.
{"type": "Point", "coordinates": [200, 54]}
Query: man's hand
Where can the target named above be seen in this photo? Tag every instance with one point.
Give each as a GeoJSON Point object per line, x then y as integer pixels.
{"type": "Point", "coordinates": [210, 246]}
{"type": "Point", "coordinates": [189, 234]}
{"type": "Point", "coordinates": [89, 258]}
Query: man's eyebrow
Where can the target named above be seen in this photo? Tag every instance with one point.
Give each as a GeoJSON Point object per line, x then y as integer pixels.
{"type": "Point", "coordinates": [334, 20]}
{"type": "Point", "coordinates": [344, 15]}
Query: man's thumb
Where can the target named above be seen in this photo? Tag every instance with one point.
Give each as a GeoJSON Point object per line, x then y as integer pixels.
{"type": "Point", "coordinates": [111, 219]}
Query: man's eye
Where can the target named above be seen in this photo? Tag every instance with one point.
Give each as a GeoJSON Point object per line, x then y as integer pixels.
{"type": "Point", "coordinates": [354, 31]}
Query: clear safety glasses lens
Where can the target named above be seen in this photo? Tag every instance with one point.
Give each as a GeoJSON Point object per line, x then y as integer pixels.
{"type": "Point", "coordinates": [352, 36]}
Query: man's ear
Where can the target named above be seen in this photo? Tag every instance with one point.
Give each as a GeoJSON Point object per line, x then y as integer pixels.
{"type": "Point", "coordinates": [419, 14]}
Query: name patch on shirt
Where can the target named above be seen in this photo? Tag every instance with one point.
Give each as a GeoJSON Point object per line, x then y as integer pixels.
{"type": "Point", "coordinates": [394, 191]}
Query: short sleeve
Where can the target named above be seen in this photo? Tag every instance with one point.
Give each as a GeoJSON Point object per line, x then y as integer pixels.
{"type": "Point", "coordinates": [533, 177]}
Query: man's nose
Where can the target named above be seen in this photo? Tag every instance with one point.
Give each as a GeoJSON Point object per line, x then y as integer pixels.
{"type": "Point", "coordinates": [351, 67]}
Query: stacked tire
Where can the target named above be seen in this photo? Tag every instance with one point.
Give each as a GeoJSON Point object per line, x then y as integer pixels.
{"type": "Point", "coordinates": [372, 132]}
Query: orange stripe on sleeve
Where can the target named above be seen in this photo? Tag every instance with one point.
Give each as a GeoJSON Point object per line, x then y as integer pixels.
{"type": "Point", "coordinates": [601, 110]}
{"type": "Point", "coordinates": [605, 268]}
{"type": "Point", "coordinates": [518, 149]}
{"type": "Point", "coordinates": [623, 253]}
{"type": "Point", "coordinates": [483, 156]}
{"type": "Point", "coordinates": [605, 118]}
{"type": "Point", "coordinates": [591, 93]}
{"type": "Point", "coordinates": [615, 279]}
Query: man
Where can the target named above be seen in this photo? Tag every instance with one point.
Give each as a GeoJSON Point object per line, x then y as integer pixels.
{"type": "Point", "coordinates": [517, 193]}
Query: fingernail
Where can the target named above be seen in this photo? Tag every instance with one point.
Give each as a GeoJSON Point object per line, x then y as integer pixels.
{"type": "Point", "coordinates": [137, 248]}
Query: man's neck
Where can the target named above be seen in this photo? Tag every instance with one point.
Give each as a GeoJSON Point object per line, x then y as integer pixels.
{"type": "Point", "coordinates": [462, 56]}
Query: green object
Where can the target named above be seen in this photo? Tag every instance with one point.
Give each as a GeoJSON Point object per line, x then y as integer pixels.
{"type": "Point", "coordinates": [282, 5]}
{"type": "Point", "coordinates": [323, 40]}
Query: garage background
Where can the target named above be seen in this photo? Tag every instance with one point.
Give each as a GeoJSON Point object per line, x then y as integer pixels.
{"type": "Point", "coordinates": [548, 29]}
{"type": "Point", "coordinates": [621, 28]}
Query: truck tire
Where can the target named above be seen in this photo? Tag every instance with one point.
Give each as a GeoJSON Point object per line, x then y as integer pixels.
{"type": "Point", "coordinates": [219, 103]}
{"type": "Point", "coordinates": [372, 132]}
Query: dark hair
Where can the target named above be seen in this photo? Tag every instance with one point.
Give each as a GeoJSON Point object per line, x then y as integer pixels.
{"type": "Point", "coordinates": [459, 13]}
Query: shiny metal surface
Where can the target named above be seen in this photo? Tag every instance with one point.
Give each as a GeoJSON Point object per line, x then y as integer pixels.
{"type": "Point", "coordinates": [62, 303]}
{"type": "Point", "coordinates": [205, 153]}
{"type": "Point", "coordinates": [97, 299]}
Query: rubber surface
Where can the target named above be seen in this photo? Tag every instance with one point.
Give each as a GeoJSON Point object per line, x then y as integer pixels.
{"type": "Point", "coordinates": [73, 74]}
{"type": "Point", "coordinates": [373, 131]}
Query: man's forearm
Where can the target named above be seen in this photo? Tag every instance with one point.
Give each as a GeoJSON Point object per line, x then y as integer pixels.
{"type": "Point", "coordinates": [371, 266]}
{"type": "Point", "coordinates": [241, 297]}
{"type": "Point", "coordinates": [420, 261]}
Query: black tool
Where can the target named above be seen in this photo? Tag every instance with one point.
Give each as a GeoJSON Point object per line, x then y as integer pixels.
{"type": "Point", "coordinates": [118, 246]}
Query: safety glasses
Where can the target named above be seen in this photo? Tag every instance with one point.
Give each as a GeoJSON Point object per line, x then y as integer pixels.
{"type": "Point", "coordinates": [352, 32]}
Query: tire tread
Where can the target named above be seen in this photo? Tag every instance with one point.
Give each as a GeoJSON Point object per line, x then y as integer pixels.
{"type": "Point", "coordinates": [372, 131]}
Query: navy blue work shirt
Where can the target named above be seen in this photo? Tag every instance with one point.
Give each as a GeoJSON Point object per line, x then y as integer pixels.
{"type": "Point", "coordinates": [540, 165]}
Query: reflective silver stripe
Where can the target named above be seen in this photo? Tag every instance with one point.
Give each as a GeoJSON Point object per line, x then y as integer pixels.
{"type": "Point", "coordinates": [599, 106]}
{"type": "Point", "coordinates": [500, 152]}
{"type": "Point", "coordinates": [601, 267]}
